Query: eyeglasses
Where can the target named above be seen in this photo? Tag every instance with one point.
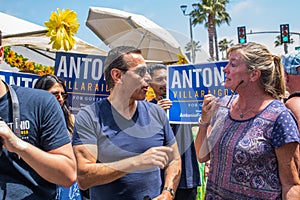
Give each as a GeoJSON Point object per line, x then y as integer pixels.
{"type": "Point", "coordinates": [58, 94]}
{"type": "Point", "coordinates": [141, 71]}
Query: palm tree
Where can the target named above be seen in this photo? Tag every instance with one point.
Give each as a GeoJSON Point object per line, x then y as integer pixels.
{"type": "Point", "coordinates": [285, 45]}
{"type": "Point", "coordinates": [224, 45]}
{"type": "Point", "coordinates": [221, 17]}
{"type": "Point", "coordinates": [193, 45]}
{"type": "Point", "coordinates": [212, 13]}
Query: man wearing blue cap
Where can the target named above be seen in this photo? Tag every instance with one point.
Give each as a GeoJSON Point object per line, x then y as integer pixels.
{"type": "Point", "coordinates": [291, 64]}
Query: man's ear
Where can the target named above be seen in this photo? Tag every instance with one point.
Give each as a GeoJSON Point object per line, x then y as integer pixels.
{"type": "Point", "coordinates": [286, 77]}
{"type": "Point", "coordinates": [116, 75]}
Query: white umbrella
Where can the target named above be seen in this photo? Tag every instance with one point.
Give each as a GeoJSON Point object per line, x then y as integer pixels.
{"type": "Point", "coordinates": [118, 28]}
{"type": "Point", "coordinates": [19, 32]}
{"type": "Point", "coordinates": [40, 42]}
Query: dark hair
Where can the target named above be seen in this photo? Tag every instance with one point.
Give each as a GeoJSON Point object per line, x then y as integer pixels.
{"type": "Point", "coordinates": [153, 67]}
{"type": "Point", "coordinates": [115, 59]}
{"type": "Point", "coordinates": [45, 83]}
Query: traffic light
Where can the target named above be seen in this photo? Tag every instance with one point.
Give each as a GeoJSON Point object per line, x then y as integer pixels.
{"type": "Point", "coordinates": [242, 34]}
{"type": "Point", "coordinates": [284, 33]}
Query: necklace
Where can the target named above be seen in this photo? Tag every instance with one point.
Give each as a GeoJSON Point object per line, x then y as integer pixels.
{"type": "Point", "coordinates": [242, 114]}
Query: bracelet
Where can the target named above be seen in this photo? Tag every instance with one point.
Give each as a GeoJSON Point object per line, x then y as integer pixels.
{"type": "Point", "coordinates": [170, 190]}
{"type": "Point", "coordinates": [201, 123]}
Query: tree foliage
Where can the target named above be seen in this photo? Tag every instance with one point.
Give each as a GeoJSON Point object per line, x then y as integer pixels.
{"type": "Point", "coordinates": [211, 13]}
{"type": "Point", "coordinates": [224, 45]}
{"type": "Point", "coordinates": [285, 45]}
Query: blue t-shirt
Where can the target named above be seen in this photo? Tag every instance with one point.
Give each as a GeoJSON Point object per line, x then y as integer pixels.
{"type": "Point", "coordinates": [190, 174]}
{"type": "Point", "coordinates": [118, 138]}
{"type": "Point", "coordinates": [42, 125]}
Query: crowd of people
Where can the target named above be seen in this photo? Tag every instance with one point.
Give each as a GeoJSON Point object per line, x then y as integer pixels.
{"type": "Point", "coordinates": [124, 147]}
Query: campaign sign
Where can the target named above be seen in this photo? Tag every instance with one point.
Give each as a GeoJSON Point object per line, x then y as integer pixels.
{"type": "Point", "coordinates": [18, 78]}
{"type": "Point", "coordinates": [84, 78]}
{"type": "Point", "coordinates": [187, 85]}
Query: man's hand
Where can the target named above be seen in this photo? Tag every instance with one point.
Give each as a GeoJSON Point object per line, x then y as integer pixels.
{"type": "Point", "coordinates": [164, 104]}
{"type": "Point", "coordinates": [155, 156]}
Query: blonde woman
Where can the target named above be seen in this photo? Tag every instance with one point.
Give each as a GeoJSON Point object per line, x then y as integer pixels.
{"type": "Point", "coordinates": [253, 137]}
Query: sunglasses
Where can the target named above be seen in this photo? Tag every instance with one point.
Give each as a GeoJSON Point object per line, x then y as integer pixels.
{"type": "Point", "coordinates": [141, 71]}
{"type": "Point", "coordinates": [58, 94]}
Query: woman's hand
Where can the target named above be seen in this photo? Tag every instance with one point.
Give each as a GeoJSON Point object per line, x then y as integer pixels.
{"type": "Point", "coordinates": [210, 104]}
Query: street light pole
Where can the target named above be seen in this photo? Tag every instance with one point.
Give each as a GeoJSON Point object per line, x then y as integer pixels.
{"type": "Point", "coordinates": [192, 40]}
{"type": "Point", "coordinates": [183, 8]}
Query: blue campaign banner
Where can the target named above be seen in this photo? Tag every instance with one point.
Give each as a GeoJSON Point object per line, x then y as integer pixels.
{"type": "Point", "coordinates": [187, 85]}
{"type": "Point", "coordinates": [18, 78]}
{"type": "Point", "coordinates": [84, 78]}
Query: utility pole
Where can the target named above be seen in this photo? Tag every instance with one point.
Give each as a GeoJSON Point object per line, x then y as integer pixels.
{"type": "Point", "coordinates": [183, 9]}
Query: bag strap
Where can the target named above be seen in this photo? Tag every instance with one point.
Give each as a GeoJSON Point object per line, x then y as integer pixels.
{"type": "Point", "coordinates": [15, 110]}
{"type": "Point", "coordinates": [16, 129]}
{"type": "Point", "coordinates": [295, 94]}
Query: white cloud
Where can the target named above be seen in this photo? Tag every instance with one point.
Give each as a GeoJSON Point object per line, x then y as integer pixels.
{"type": "Point", "coordinates": [240, 7]}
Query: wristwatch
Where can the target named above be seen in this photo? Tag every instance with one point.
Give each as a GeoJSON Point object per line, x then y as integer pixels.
{"type": "Point", "coordinates": [170, 190]}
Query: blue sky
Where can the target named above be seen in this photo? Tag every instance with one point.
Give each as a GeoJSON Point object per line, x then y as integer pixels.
{"type": "Point", "coordinates": [262, 15]}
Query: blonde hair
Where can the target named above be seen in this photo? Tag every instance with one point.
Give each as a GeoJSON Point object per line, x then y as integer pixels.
{"type": "Point", "coordinates": [258, 57]}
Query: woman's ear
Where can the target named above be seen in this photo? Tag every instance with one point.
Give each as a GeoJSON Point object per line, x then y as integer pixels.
{"type": "Point", "coordinates": [255, 75]}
